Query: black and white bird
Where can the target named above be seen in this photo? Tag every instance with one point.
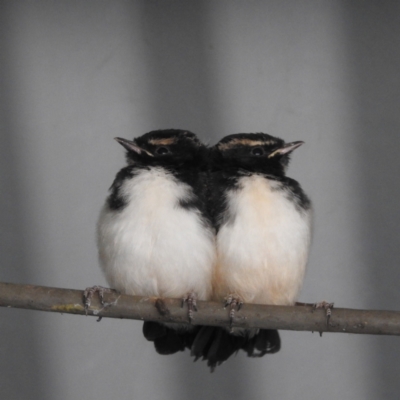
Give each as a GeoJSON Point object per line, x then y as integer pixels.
{"type": "Point", "coordinates": [263, 224]}
{"type": "Point", "coordinates": [154, 234]}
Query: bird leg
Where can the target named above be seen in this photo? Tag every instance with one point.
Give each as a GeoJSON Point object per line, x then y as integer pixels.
{"type": "Point", "coordinates": [191, 300]}
{"type": "Point", "coordinates": [235, 303]}
{"type": "Point", "coordinates": [322, 304]}
{"type": "Point", "coordinates": [90, 291]}
{"type": "Point", "coordinates": [327, 307]}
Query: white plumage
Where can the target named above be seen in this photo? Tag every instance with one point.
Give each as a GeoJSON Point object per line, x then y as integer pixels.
{"type": "Point", "coordinates": [153, 246]}
{"type": "Point", "coordinates": [262, 248]}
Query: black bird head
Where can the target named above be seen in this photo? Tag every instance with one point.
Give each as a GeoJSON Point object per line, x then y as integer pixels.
{"type": "Point", "coordinates": [178, 151]}
{"type": "Point", "coordinates": [256, 152]}
{"type": "Point", "coordinates": [164, 147]}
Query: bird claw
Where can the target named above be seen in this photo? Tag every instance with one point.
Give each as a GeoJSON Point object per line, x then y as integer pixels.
{"type": "Point", "coordinates": [90, 291]}
{"type": "Point", "coordinates": [191, 300]}
{"type": "Point", "coordinates": [235, 303]}
{"type": "Point", "coordinates": [327, 307]}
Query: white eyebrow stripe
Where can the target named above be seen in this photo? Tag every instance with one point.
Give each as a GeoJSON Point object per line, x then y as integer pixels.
{"type": "Point", "coordinates": [245, 142]}
{"type": "Point", "coordinates": [166, 141]}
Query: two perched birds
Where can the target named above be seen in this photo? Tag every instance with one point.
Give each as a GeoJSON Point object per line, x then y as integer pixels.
{"type": "Point", "coordinates": [223, 223]}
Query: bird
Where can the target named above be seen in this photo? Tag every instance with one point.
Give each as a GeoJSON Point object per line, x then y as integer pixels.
{"type": "Point", "coordinates": [154, 235]}
{"type": "Point", "coordinates": [262, 220]}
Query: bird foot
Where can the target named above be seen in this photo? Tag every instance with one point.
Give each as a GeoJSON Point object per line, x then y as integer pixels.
{"type": "Point", "coordinates": [327, 307]}
{"type": "Point", "coordinates": [235, 303]}
{"type": "Point", "coordinates": [322, 304]}
{"type": "Point", "coordinates": [191, 300]}
{"type": "Point", "coordinates": [90, 291]}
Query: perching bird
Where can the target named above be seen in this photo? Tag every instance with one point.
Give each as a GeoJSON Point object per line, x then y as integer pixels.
{"type": "Point", "coordinates": [263, 224]}
{"type": "Point", "coordinates": [154, 235]}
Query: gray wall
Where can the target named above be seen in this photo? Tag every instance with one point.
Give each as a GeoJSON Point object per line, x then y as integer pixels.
{"type": "Point", "coordinates": [74, 74]}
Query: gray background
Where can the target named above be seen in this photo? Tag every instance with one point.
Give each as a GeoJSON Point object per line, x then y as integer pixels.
{"type": "Point", "coordinates": [74, 74]}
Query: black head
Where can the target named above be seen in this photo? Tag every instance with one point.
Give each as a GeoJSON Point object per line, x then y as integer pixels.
{"type": "Point", "coordinates": [256, 152]}
{"type": "Point", "coordinates": [164, 147]}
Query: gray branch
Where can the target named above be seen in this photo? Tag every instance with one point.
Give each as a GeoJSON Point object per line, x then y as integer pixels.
{"type": "Point", "coordinates": [296, 318]}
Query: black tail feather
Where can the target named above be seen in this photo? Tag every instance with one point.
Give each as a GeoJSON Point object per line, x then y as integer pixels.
{"type": "Point", "coordinates": [212, 344]}
{"type": "Point", "coordinates": [223, 347]}
{"type": "Point", "coordinates": [266, 341]}
{"type": "Point", "coordinates": [170, 343]}
{"type": "Point", "coordinates": [202, 342]}
{"type": "Point", "coordinates": [215, 345]}
{"type": "Point", "coordinates": [153, 330]}
{"type": "Point", "coordinates": [168, 340]}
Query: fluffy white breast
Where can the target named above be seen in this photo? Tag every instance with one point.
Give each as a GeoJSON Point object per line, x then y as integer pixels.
{"type": "Point", "coordinates": [262, 248]}
{"type": "Point", "coordinates": [153, 246]}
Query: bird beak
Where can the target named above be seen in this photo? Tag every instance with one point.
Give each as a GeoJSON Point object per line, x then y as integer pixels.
{"type": "Point", "coordinates": [132, 146]}
{"type": "Point", "coordinates": [286, 149]}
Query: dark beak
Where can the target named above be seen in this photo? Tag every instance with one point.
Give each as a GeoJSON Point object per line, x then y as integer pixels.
{"type": "Point", "coordinates": [132, 146]}
{"type": "Point", "coordinates": [286, 149]}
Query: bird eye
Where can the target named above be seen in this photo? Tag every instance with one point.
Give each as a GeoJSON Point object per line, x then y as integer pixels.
{"type": "Point", "coordinates": [257, 151]}
{"type": "Point", "coordinates": [162, 150]}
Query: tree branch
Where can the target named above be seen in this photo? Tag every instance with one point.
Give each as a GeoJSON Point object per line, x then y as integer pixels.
{"type": "Point", "coordinates": [298, 318]}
